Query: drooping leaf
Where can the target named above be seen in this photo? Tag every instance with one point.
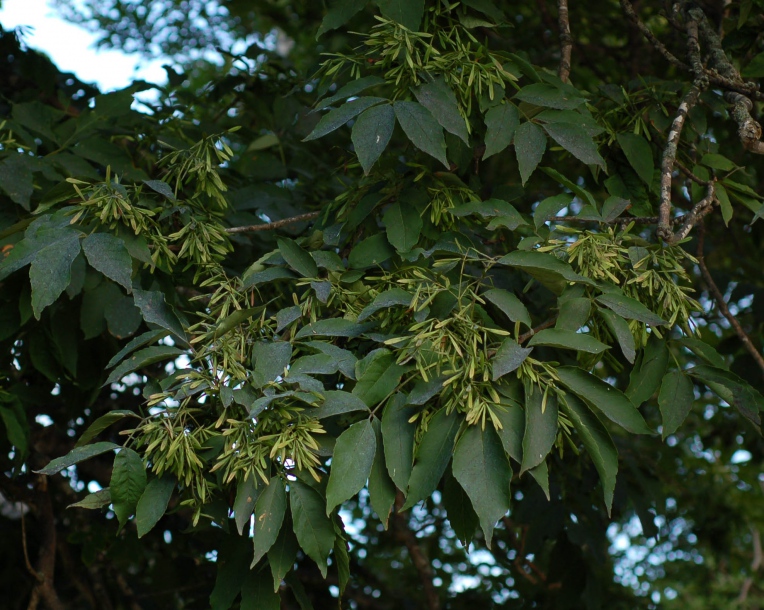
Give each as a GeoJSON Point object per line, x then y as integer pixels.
{"type": "Point", "coordinates": [406, 12]}
{"type": "Point", "coordinates": [256, 592]}
{"type": "Point", "coordinates": [385, 300]}
{"type": "Point", "coordinates": [576, 141]}
{"type": "Point", "coordinates": [509, 304]}
{"type": "Point", "coordinates": [704, 351]}
{"type": "Point", "coordinates": [598, 444]}
{"type": "Point", "coordinates": [153, 503]}
{"type": "Point", "coordinates": [574, 313]}
{"type": "Point", "coordinates": [283, 553]}
{"type": "Point", "coordinates": [622, 333]}
{"type": "Point", "coordinates": [107, 253]}
{"type": "Point", "coordinates": [354, 87]}
{"type": "Point", "coordinates": [94, 501]}
{"type": "Point", "coordinates": [269, 515]}
{"type": "Point", "coordinates": [379, 380]}
{"type": "Point", "coordinates": [646, 376]}
{"type": "Point", "coordinates": [331, 327]}
{"type": "Point", "coordinates": [548, 96]}
{"type": "Point", "coordinates": [297, 258]}
{"type": "Point", "coordinates": [128, 481]}
{"type": "Point", "coordinates": [461, 515]}
{"type": "Point", "coordinates": [100, 424]}
{"type": "Point", "coordinates": [269, 360]}
{"type": "Point", "coordinates": [530, 144]}
{"type": "Point", "coordinates": [482, 470]}
{"type": "Point", "coordinates": [675, 400]}
{"type": "Point", "coordinates": [422, 129]}
{"type": "Point", "coordinates": [398, 437]}
{"type": "Point", "coordinates": [141, 358]}
{"type": "Point", "coordinates": [512, 418]}
{"type": "Point", "coordinates": [540, 427]}
{"type": "Point", "coordinates": [381, 486]}
{"type": "Point", "coordinates": [403, 225]}
{"type": "Point", "coordinates": [550, 207]}
{"type": "Point", "coordinates": [639, 155]}
{"type": "Point", "coordinates": [568, 339]}
{"type": "Point", "coordinates": [75, 456]}
{"type": "Point", "coordinates": [370, 252]}
{"type": "Point", "coordinates": [155, 310]}
{"type": "Point", "coordinates": [508, 358]}
{"type": "Point", "coordinates": [338, 117]}
{"type": "Point", "coordinates": [351, 463]}
{"type": "Point", "coordinates": [432, 457]}
{"type": "Point", "coordinates": [314, 530]}
{"type": "Point", "coordinates": [607, 399]}
{"type": "Point", "coordinates": [50, 272]}
{"type": "Point", "coordinates": [629, 308]}
{"type": "Point", "coordinates": [734, 390]}
{"type": "Point", "coordinates": [547, 269]}
{"type": "Point", "coordinates": [231, 564]}
{"type": "Point", "coordinates": [247, 492]}
{"type": "Point", "coordinates": [337, 402]}
{"type": "Point", "coordinates": [440, 100]}
{"type": "Point", "coordinates": [371, 134]}
{"type": "Point", "coordinates": [501, 122]}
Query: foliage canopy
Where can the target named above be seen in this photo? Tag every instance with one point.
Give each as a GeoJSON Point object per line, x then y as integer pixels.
{"type": "Point", "coordinates": [425, 310]}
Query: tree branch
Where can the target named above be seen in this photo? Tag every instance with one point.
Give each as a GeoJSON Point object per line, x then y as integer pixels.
{"type": "Point", "coordinates": [631, 14]}
{"type": "Point", "coordinates": [46, 561]}
{"type": "Point", "coordinates": [404, 534]}
{"type": "Point", "coordinates": [273, 225]}
{"type": "Point", "coordinates": [525, 336]}
{"type": "Point", "coordinates": [756, 562]}
{"type": "Point", "coordinates": [722, 304]}
{"type": "Point", "coordinates": [566, 40]}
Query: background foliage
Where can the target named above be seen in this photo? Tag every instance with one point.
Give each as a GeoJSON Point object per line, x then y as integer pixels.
{"type": "Point", "coordinates": [410, 304]}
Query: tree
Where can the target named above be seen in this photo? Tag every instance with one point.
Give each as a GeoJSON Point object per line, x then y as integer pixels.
{"type": "Point", "coordinates": [450, 305]}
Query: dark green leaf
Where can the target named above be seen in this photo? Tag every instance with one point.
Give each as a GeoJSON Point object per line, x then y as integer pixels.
{"type": "Point", "coordinates": [482, 470]}
{"type": "Point", "coordinates": [732, 389]}
{"type": "Point", "coordinates": [94, 501]}
{"type": "Point", "coordinates": [508, 358]}
{"type": "Point", "coordinates": [331, 327]}
{"type": "Point", "coordinates": [645, 378]}
{"type": "Point", "coordinates": [541, 94]}
{"type": "Point", "coordinates": [629, 308]}
{"type": "Point", "coordinates": [406, 12]}
{"type": "Point", "coordinates": [336, 118]}
{"type": "Point", "coordinates": [351, 463]}
{"type": "Point", "coordinates": [354, 87]}
{"type": "Point", "coordinates": [297, 258]}
{"type": "Point", "coordinates": [432, 457]}
{"type": "Point", "coordinates": [128, 481]}
{"type": "Point", "coordinates": [371, 252]}
{"type": "Point", "coordinates": [162, 188]}
{"type": "Point", "coordinates": [337, 402]}
{"type": "Point", "coordinates": [395, 297]}
{"type": "Point", "coordinates": [314, 530]}
{"type": "Point", "coordinates": [568, 339]}
{"type": "Point", "coordinates": [462, 517]}
{"type": "Point", "coordinates": [639, 155]}
{"type": "Point", "coordinates": [440, 100]}
{"type": "Point", "coordinates": [530, 144]}
{"type": "Point", "coordinates": [546, 268]}
{"type": "Point", "coordinates": [381, 486]}
{"type": "Point", "coordinates": [155, 311]}
{"type": "Point", "coordinates": [256, 592]}
{"type": "Point", "coordinates": [283, 553]}
{"type": "Point", "coordinates": [704, 351]}
{"type": "Point", "coordinates": [501, 122]}
{"type": "Point", "coordinates": [101, 424]}
{"type": "Point", "coordinates": [403, 224]}
{"type": "Point", "coordinates": [231, 572]}
{"type": "Point", "coordinates": [622, 333]}
{"type": "Point", "coordinates": [269, 515]}
{"type": "Point", "coordinates": [142, 358]}
{"type": "Point", "coordinates": [574, 313]}
{"type": "Point", "coordinates": [75, 456]}
{"type": "Point", "coordinates": [139, 341]}
{"type": "Point", "coordinates": [675, 400]}
{"type": "Point", "coordinates": [50, 272]}
{"type": "Point", "coordinates": [549, 207]}
{"type": "Point", "coordinates": [422, 129]}
{"type": "Point", "coordinates": [398, 436]}
{"type": "Point", "coordinates": [379, 380]}
{"type": "Point", "coordinates": [509, 304]}
{"type": "Point", "coordinates": [576, 141]}
{"type": "Point", "coordinates": [512, 418]}
{"type": "Point", "coordinates": [610, 401]}
{"type": "Point", "coordinates": [371, 133]}
{"type": "Point", "coordinates": [540, 427]}
{"type": "Point", "coordinates": [107, 253]}
{"type": "Point", "coordinates": [153, 503]}
{"type": "Point", "coordinates": [247, 493]}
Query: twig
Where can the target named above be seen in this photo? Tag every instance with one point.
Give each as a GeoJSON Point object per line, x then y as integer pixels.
{"type": "Point", "coordinates": [698, 212]}
{"type": "Point", "coordinates": [756, 562]}
{"type": "Point", "coordinates": [525, 336]}
{"type": "Point", "coordinates": [722, 304]}
{"type": "Point", "coordinates": [669, 158]}
{"type": "Point", "coordinates": [628, 9]}
{"type": "Point", "coordinates": [566, 40]}
{"type": "Point", "coordinates": [418, 558]}
{"type": "Point", "coordinates": [39, 577]}
{"type": "Point", "coordinates": [273, 225]}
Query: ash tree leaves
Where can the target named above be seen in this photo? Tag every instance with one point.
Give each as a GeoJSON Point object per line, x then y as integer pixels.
{"type": "Point", "coordinates": [371, 133]}
{"type": "Point", "coordinates": [153, 503]}
{"type": "Point", "coordinates": [406, 12]}
{"type": "Point", "coordinates": [269, 515]}
{"type": "Point", "coordinates": [530, 144]}
{"type": "Point", "coordinates": [639, 155]}
{"type": "Point", "coordinates": [576, 141]}
{"type": "Point", "coordinates": [403, 224]}
{"type": "Point", "coordinates": [440, 100]}
{"type": "Point", "coordinates": [338, 117]}
{"type": "Point", "coordinates": [675, 400]}
{"type": "Point", "coordinates": [629, 308]}
{"type": "Point", "coordinates": [398, 435]}
{"type": "Point", "coordinates": [314, 530]}
{"type": "Point", "coordinates": [422, 129]}
{"type": "Point", "coordinates": [501, 122]}
{"type": "Point", "coordinates": [352, 460]}
{"type": "Point", "coordinates": [297, 258]}
{"type": "Point", "coordinates": [540, 427]}
{"type": "Point", "coordinates": [75, 456]}
{"type": "Point", "coordinates": [50, 272]}
{"type": "Point", "coordinates": [509, 357]}
{"type": "Point", "coordinates": [108, 254]}
{"type": "Point", "coordinates": [128, 482]}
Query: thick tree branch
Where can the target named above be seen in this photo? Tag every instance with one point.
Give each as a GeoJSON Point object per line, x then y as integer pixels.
{"type": "Point", "coordinates": [566, 40]}
{"type": "Point", "coordinates": [404, 534]}
{"type": "Point", "coordinates": [46, 562]}
{"type": "Point", "coordinates": [722, 304]}
{"type": "Point", "coordinates": [273, 225]}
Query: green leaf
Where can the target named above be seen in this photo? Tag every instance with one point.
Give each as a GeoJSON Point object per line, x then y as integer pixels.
{"type": "Point", "coordinates": [100, 424]}
{"type": "Point", "coordinates": [107, 253]}
{"type": "Point", "coordinates": [16, 427]}
{"type": "Point", "coordinates": [439, 99]}
{"type": "Point", "coordinates": [481, 468]}
{"type": "Point", "coordinates": [597, 442]}
{"type": "Point", "coordinates": [732, 389]}
{"type": "Point", "coordinates": [724, 203]}
{"type": "Point", "coordinates": [315, 364]}
{"type": "Point", "coordinates": [94, 501]}
{"type": "Point", "coordinates": [345, 359]}
{"type": "Point", "coordinates": [142, 358]}
{"type": "Point", "coordinates": [160, 187]}
{"type": "Point", "coordinates": [581, 192]}
{"type": "Point", "coordinates": [755, 69]}
{"type": "Point", "coordinates": [269, 515]}
{"type": "Point", "coordinates": [16, 180]}
{"type": "Point", "coordinates": [406, 12]}
{"type": "Point", "coordinates": [509, 304]}
{"type": "Point", "coordinates": [139, 341]}
{"type": "Point", "coordinates": [266, 277]}
{"type": "Point", "coordinates": [398, 436]}
{"type": "Point", "coordinates": [540, 427]}
{"type": "Point", "coordinates": [576, 141]}
{"type": "Point", "coordinates": [645, 378]}
{"type": "Point", "coordinates": [461, 515]}
{"type": "Point", "coordinates": [371, 252]}
{"type": "Point", "coordinates": [705, 351]}
{"type": "Point", "coordinates": [622, 333]}
{"type": "Point", "coordinates": [155, 311]}
{"type": "Point", "coordinates": [629, 308]}
{"type": "Point", "coordinates": [546, 268]}
{"type": "Point", "coordinates": [153, 503]}
{"type": "Point", "coordinates": [338, 117]}
{"type": "Point", "coordinates": [508, 358]}
{"type": "Point", "coordinates": [403, 224]}
{"type": "Point", "coordinates": [231, 571]}
{"type": "Point", "coordinates": [256, 592]}
{"type": "Point", "coordinates": [233, 320]}
{"type": "Point", "coordinates": [675, 400]}
{"type": "Point", "coordinates": [512, 418]}
{"type": "Point", "coordinates": [639, 155]}
{"type": "Point", "coordinates": [607, 399]}
{"type": "Point", "coordinates": [381, 486]}
{"type": "Point", "coordinates": [351, 463]}
{"type": "Point", "coordinates": [488, 209]}
{"type": "Point", "coordinates": [331, 327]}
{"type": "Point", "coordinates": [337, 402]}
{"type": "Point", "coordinates": [501, 122]}
{"type": "Point", "coordinates": [541, 94]}
{"type": "Point", "coordinates": [568, 339]}
{"type": "Point", "coordinates": [314, 530]}
{"type": "Point", "coordinates": [379, 380]}
{"type": "Point", "coordinates": [530, 144]}
{"type": "Point", "coordinates": [549, 207]}
{"type": "Point", "coordinates": [50, 272]}
{"type": "Point", "coordinates": [128, 481]}
{"type": "Point", "coordinates": [283, 553]}
{"type": "Point", "coordinates": [371, 134]}
{"type": "Point", "coordinates": [247, 493]}
{"type": "Point", "coordinates": [719, 162]}
{"type": "Point", "coordinates": [574, 313]}
{"type": "Point", "coordinates": [395, 297]}
{"type": "Point", "coordinates": [422, 129]}
{"type": "Point", "coordinates": [433, 456]}
{"type": "Point", "coordinates": [297, 258]}
{"type": "Point", "coordinates": [354, 87]}
{"type": "Point", "coordinates": [75, 456]}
